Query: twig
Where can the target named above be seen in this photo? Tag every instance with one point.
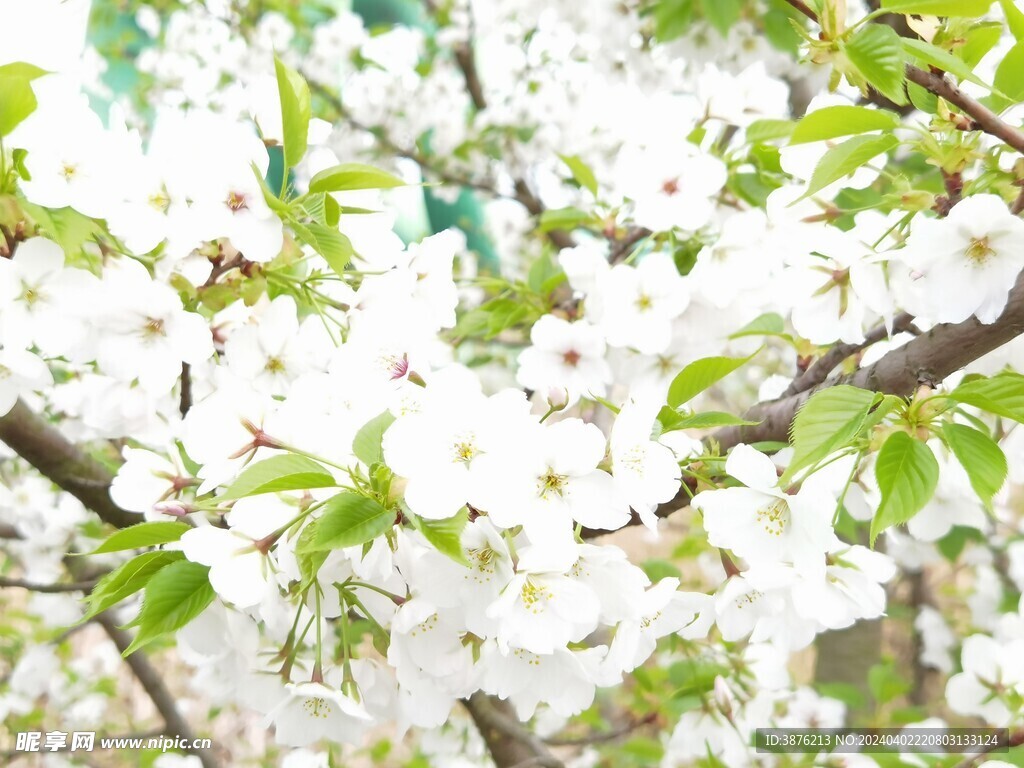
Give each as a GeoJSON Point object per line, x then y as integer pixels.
{"type": "Point", "coordinates": [936, 82]}
{"type": "Point", "coordinates": [623, 247]}
{"type": "Point", "coordinates": [155, 688]}
{"type": "Point", "coordinates": [823, 366]}
{"type": "Point", "coordinates": [68, 466]}
{"type": "Point", "coordinates": [1018, 205]}
{"type": "Point", "coordinates": [75, 586]}
{"type": "Point", "coordinates": [509, 743]}
{"type": "Point", "coordinates": [605, 736]}
{"type": "Point", "coordinates": [185, 399]}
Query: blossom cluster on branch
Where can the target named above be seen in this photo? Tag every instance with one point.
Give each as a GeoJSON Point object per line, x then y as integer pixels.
{"type": "Point", "coordinates": [349, 350]}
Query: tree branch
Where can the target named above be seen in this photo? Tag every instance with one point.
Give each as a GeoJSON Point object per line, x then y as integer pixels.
{"type": "Point", "coordinates": [45, 448]}
{"type": "Point", "coordinates": [155, 688]}
{"type": "Point", "coordinates": [75, 586]}
{"type": "Point", "coordinates": [929, 358]}
{"type": "Point", "coordinates": [509, 743]}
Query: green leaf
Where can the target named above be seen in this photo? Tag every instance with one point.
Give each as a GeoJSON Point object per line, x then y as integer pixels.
{"type": "Point", "coordinates": [906, 472]}
{"type": "Point", "coordinates": [842, 120]}
{"type": "Point", "coordinates": [296, 110]}
{"type": "Point", "coordinates": [1014, 18]}
{"type": "Point", "coordinates": [18, 100]}
{"type": "Point", "coordinates": [445, 535]}
{"type": "Point", "coordinates": [127, 579]}
{"type": "Point", "coordinates": [886, 683]}
{"type": "Point", "coordinates": [287, 472]}
{"type": "Point", "coordinates": [768, 324]}
{"type": "Point", "coordinates": [336, 249]}
{"type": "Point", "coordinates": [1008, 80]}
{"type": "Point", "coordinates": [309, 562]}
{"type": "Point", "coordinates": [761, 131]}
{"type": "Point", "coordinates": [581, 172]}
{"type": "Point", "coordinates": [944, 60]}
{"type": "Point", "coordinates": [922, 98]}
{"type": "Point", "coordinates": [366, 445]}
{"type": "Point", "coordinates": [701, 374]}
{"type": "Point", "coordinates": [709, 419]}
{"type": "Point", "coordinates": [1002, 395]}
{"type": "Point", "coordinates": [980, 456]}
{"type": "Point", "coordinates": [978, 41]}
{"type": "Point", "coordinates": [830, 420]}
{"type": "Point", "coordinates": [842, 160]}
{"type": "Point", "coordinates": [349, 176]}
{"type": "Point", "coordinates": [876, 50]}
{"type": "Point", "coordinates": [960, 8]}
{"type": "Point", "coordinates": [563, 218]}
{"type": "Point", "coordinates": [722, 14]}
{"type": "Point", "coordinates": [349, 520]}
{"type": "Point", "coordinates": [174, 596]}
{"type": "Point", "coordinates": [142, 535]}
{"type": "Point", "coordinates": [274, 202]}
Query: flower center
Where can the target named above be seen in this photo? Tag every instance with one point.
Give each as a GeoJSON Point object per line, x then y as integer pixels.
{"type": "Point", "coordinates": [979, 251]}
{"type": "Point", "coordinates": [236, 201]}
{"type": "Point", "coordinates": [535, 596]}
{"type": "Point", "coordinates": [316, 706]}
{"type": "Point", "coordinates": [551, 482]}
{"type": "Point", "coordinates": [774, 517]}
{"type": "Point", "coordinates": [644, 302]}
{"type": "Point", "coordinates": [482, 559]}
{"type": "Point", "coordinates": [160, 201]}
{"type": "Point", "coordinates": [670, 187]}
{"type": "Point", "coordinates": [275, 365]}
{"type": "Point", "coordinates": [464, 450]}
{"type": "Point", "coordinates": [68, 171]}
{"type": "Point", "coordinates": [571, 358]}
{"type": "Point", "coordinates": [748, 599]}
{"type": "Point", "coordinates": [154, 327]}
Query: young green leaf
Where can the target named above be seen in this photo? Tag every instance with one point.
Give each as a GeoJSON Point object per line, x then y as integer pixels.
{"type": "Point", "coordinates": [348, 176]}
{"type": "Point", "coordinates": [336, 249]}
{"type": "Point", "coordinates": [907, 473]}
{"type": "Point", "coordinates": [722, 14]}
{"type": "Point", "coordinates": [1008, 81]}
{"type": "Point", "coordinates": [709, 420]}
{"type": "Point", "coordinates": [287, 472]}
{"type": "Point", "coordinates": [830, 420]}
{"type": "Point", "coordinates": [876, 50]}
{"type": "Point", "coordinates": [944, 60]}
{"type": "Point", "coordinates": [445, 535]}
{"type": "Point", "coordinates": [581, 172]}
{"type": "Point", "coordinates": [19, 100]}
{"type": "Point", "coordinates": [127, 579]}
{"type": "Point", "coordinates": [296, 110]}
{"type": "Point", "coordinates": [1014, 18]}
{"type": "Point", "coordinates": [701, 374]}
{"type": "Point", "coordinates": [175, 595]}
{"type": "Point", "coordinates": [980, 456]}
{"type": "Point", "coordinates": [1002, 395]}
{"type": "Point", "coordinates": [842, 160]}
{"type": "Point", "coordinates": [367, 443]}
{"type": "Point", "coordinates": [142, 535]}
{"type": "Point", "coordinates": [962, 8]}
{"type": "Point", "coordinates": [768, 324]}
{"type": "Point", "coordinates": [842, 120]}
{"type": "Point", "coordinates": [309, 562]}
{"type": "Point", "coordinates": [761, 131]}
{"type": "Point", "coordinates": [349, 520]}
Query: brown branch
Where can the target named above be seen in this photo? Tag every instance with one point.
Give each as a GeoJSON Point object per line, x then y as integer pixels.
{"type": "Point", "coordinates": [155, 688]}
{"type": "Point", "coordinates": [75, 586]}
{"type": "Point", "coordinates": [45, 448]}
{"type": "Point", "coordinates": [185, 398]}
{"type": "Point", "coordinates": [510, 744]}
{"type": "Point", "coordinates": [1018, 205]}
{"type": "Point", "coordinates": [929, 358]}
{"type": "Point", "coordinates": [603, 736]}
{"type": "Point", "coordinates": [824, 365]}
